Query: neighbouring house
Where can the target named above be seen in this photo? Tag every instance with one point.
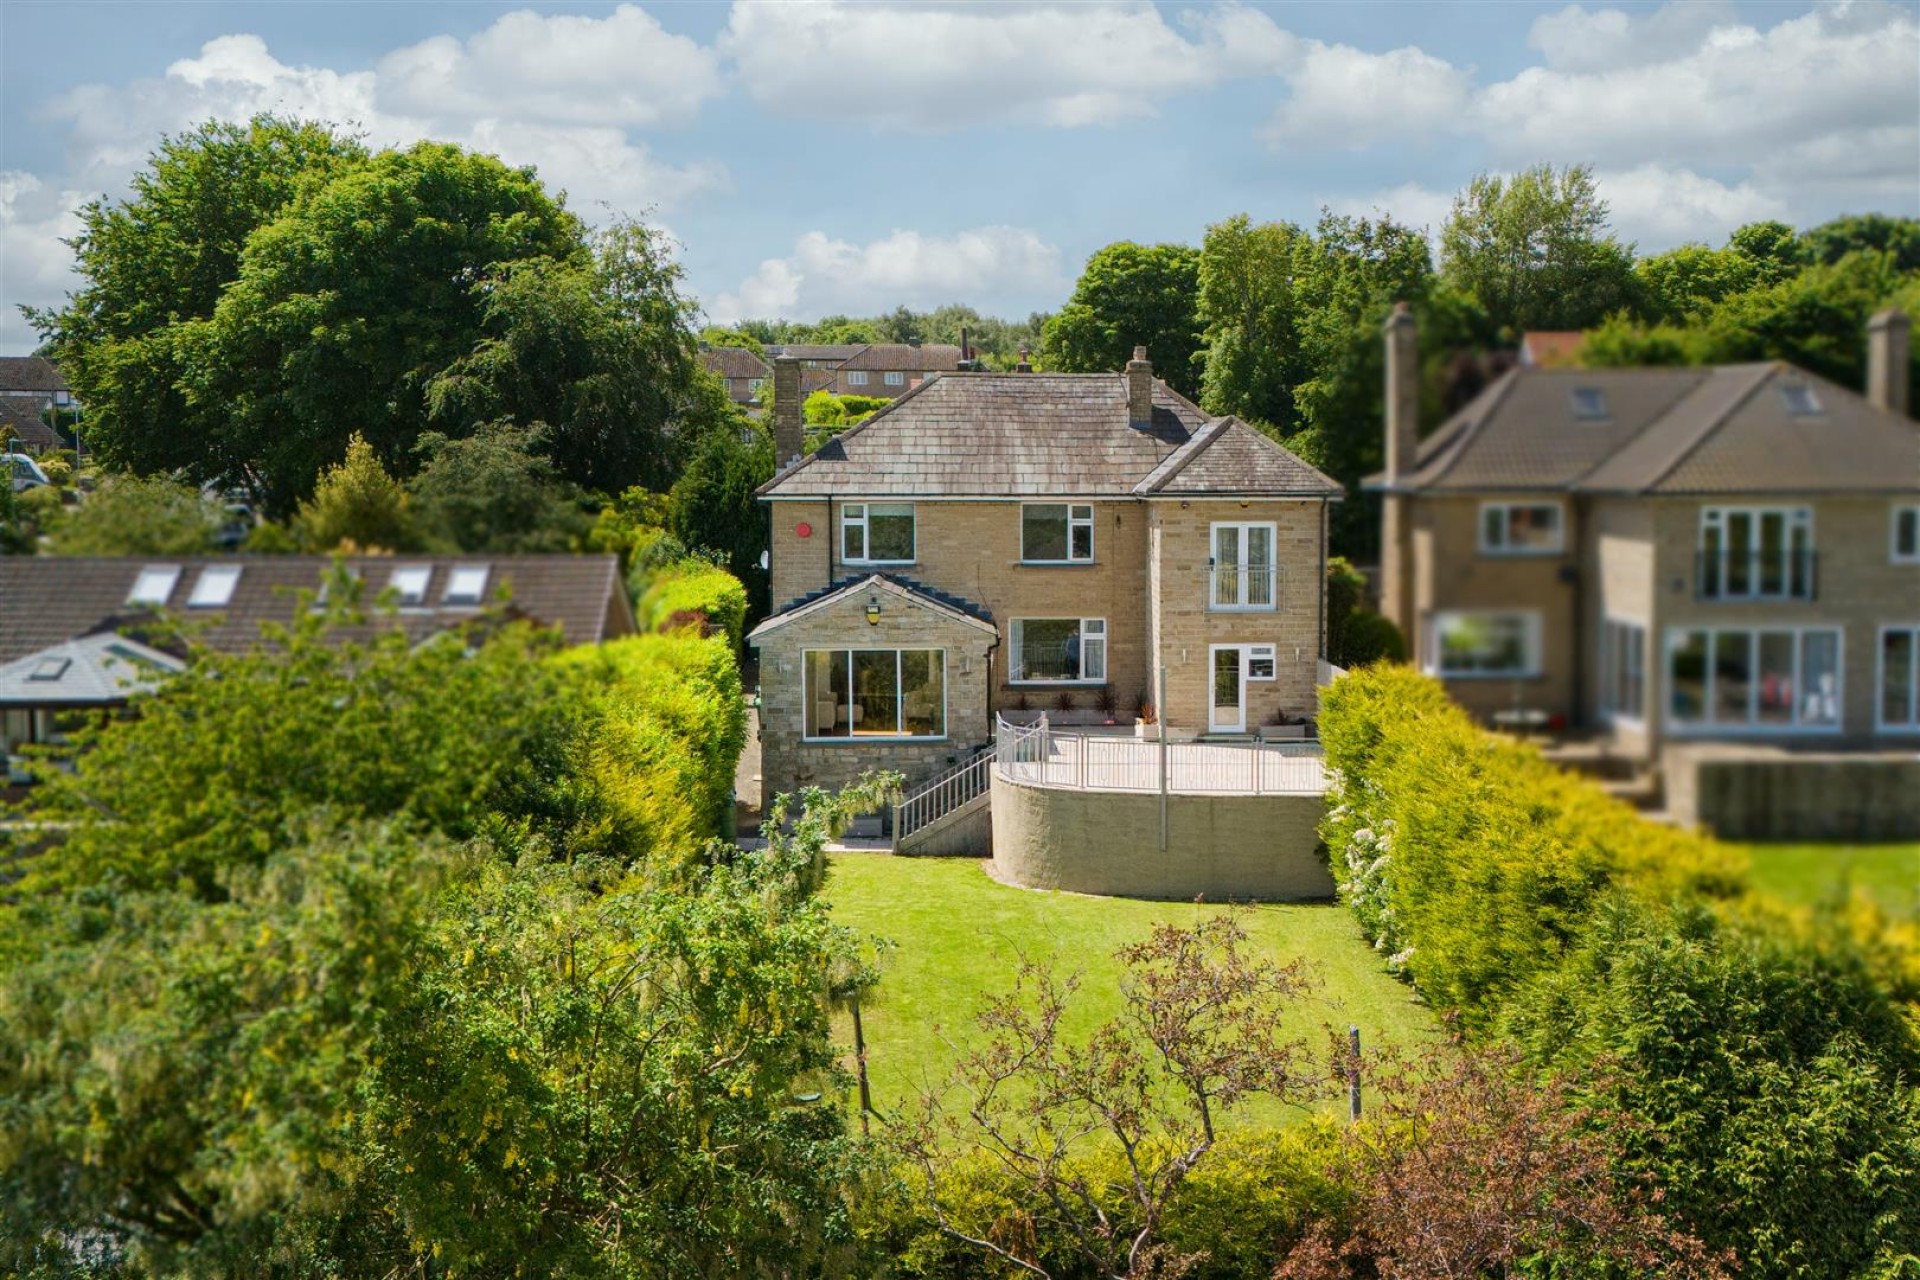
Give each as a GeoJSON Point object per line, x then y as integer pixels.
{"type": "Point", "coordinates": [883, 369]}
{"type": "Point", "coordinates": [1551, 348]}
{"type": "Point", "coordinates": [1715, 570]}
{"type": "Point", "coordinates": [744, 372]}
{"type": "Point", "coordinates": [1000, 542]}
{"type": "Point", "coordinates": [28, 386]}
{"type": "Point", "coordinates": [79, 634]}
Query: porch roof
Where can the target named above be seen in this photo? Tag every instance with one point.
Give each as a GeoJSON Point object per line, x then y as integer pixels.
{"type": "Point", "coordinates": [960, 610]}
{"type": "Point", "coordinates": [104, 669]}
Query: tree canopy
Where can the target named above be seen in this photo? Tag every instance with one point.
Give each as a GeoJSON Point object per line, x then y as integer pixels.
{"type": "Point", "coordinates": [1535, 250]}
{"type": "Point", "coordinates": [1131, 295]}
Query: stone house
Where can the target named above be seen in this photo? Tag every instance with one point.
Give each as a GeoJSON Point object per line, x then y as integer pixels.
{"type": "Point", "coordinates": [1664, 558]}
{"type": "Point", "coordinates": [743, 372]}
{"type": "Point", "coordinates": [1005, 541]}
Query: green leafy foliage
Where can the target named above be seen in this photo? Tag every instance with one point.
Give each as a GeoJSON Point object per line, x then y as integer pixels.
{"type": "Point", "coordinates": [130, 516]}
{"type": "Point", "coordinates": [693, 592]}
{"type": "Point", "coordinates": [1131, 295]}
{"type": "Point", "coordinates": [712, 509]}
{"type": "Point", "coordinates": [825, 409]}
{"type": "Point", "coordinates": [493, 491]}
{"type": "Point", "coordinates": [1356, 635]}
{"type": "Point", "coordinates": [357, 506]}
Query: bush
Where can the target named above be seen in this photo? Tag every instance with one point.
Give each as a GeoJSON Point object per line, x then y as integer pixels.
{"type": "Point", "coordinates": [1356, 635]}
{"type": "Point", "coordinates": [694, 590]}
{"type": "Point", "coordinates": [129, 516]}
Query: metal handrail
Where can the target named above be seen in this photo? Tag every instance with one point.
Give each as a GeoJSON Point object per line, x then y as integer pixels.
{"type": "Point", "coordinates": [1041, 755]}
{"type": "Point", "coordinates": [942, 794]}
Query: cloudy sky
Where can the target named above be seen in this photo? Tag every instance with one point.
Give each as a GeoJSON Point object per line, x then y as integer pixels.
{"type": "Point", "coordinates": [813, 157]}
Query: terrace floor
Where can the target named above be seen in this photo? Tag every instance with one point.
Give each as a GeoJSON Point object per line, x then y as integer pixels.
{"type": "Point", "coordinates": [1110, 762]}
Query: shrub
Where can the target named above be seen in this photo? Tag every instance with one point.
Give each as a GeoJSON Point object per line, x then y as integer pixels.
{"type": "Point", "coordinates": [694, 587]}
{"type": "Point", "coordinates": [1356, 635]}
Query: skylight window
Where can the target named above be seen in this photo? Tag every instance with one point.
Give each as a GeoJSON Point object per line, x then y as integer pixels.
{"type": "Point", "coordinates": [466, 585]}
{"type": "Point", "coordinates": [214, 587]}
{"type": "Point", "coordinates": [1801, 402]}
{"type": "Point", "coordinates": [409, 582]}
{"type": "Point", "coordinates": [1590, 404]}
{"type": "Point", "coordinates": [50, 669]}
{"type": "Point", "coordinates": [154, 585]}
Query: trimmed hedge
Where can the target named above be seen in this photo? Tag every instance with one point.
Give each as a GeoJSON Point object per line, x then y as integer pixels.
{"type": "Point", "coordinates": [677, 594]}
{"type": "Point", "coordinates": [666, 726]}
{"type": "Point", "coordinates": [1470, 861]}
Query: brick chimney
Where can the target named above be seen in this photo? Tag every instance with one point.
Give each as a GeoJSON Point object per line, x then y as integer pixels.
{"type": "Point", "coordinates": [1403, 437]}
{"type": "Point", "coordinates": [1139, 388]}
{"type": "Point", "coordinates": [789, 429]}
{"type": "Point", "coordinates": [1887, 360]}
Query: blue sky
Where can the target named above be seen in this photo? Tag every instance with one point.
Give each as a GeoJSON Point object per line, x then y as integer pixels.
{"type": "Point", "coordinates": [820, 157]}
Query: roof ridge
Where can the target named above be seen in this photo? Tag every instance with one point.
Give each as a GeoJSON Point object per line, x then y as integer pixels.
{"type": "Point", "coordinates": [1711, 425]}
{"type": "Point", "coordinates": [1177, 461]}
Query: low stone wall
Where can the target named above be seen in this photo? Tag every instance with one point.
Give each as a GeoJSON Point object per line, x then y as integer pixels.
{"type": "Point", "coordinates": [1768, 793]}
{"type": "Point", "coordinates": [1219, 847]}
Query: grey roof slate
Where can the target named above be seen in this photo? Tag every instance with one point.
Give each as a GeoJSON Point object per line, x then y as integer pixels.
{"type": "Point", "coordinates": [734, 362]}
{"type": "Point", "coordinates": [30, 373]}
{"type": "Point", "coordinates": [46, 600]}
{"type": "Point", "coordinates": [96, 670]}
{"type": "Point", "coordinates": [1031, 435]}
{"type": "Point", "coordinates": [923, 594]}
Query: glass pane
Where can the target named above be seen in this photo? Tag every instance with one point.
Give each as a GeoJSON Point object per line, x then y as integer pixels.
{"type": "Point", "coordinates": [1687, 677]}
{"type": "Point", "coordinates": [1740, 550]}
{"type": "Point", "coordinates": [1713, 574]}
{"type": "Point", "coordinates": [853, 538]}
{"type": "Point", "coordinates": [1226, 683]}
{"type": "Point", "coordinates": [1493, 526]}
{"type": "Point", "coordinates": [1486, 643]}
{"type": "Point", "coordinates": [1907, 534]}
{"type": "Point", "coordinates": [1083, 541]}
{"type": "Point", "coordinates": [1259, 566]}
{"type": "Point", "coordinates": [1047, 649]}
{"type": "Point", "coordinates": [876, 691]}
{"type": "Point", "coordinates": [1897, 677]}
{"type": "Point", "coordinates": [1093, 657]}
{"type": "Point", "coordinates": [1732, 675]}
{"type": "Point", "coordinates": [1820, 677]}
{"type": "Point", "coordinates": [1043, 532]}
{"type": "Point", "coordinates": [923, 694]}
{"type": "Point", "coordinates": [826, 694]}
{"type": "Point", "coordinates": [1773, 561]}
{"type": "Point", "coordinates": [890, 532]}
{"type": "Point", "coordinates": [1226, 564]}
{"type": "Point", "coordinates": [1533, 528]}
{"type": "Point", "coordinates": [1776, 677]}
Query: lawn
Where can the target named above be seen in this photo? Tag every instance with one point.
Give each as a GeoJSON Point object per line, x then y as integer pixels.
{"type": "Point", "coordinates": [1813, 873]}
{"type": "Point", "coordinates": [959, 935]}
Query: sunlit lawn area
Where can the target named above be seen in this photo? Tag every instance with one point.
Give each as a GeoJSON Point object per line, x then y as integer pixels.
{"type": "Point", "coordinates": [1812, 873]}
{"type": "Point", "coordinates": [959, 936]}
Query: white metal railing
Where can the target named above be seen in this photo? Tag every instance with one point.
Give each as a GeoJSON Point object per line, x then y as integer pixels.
{"type": "Point", "coordinates": [1244, 585]}
{"type": "Point", "coordinates": [1041, 755]}
{"type": "Point", "coordinates": [942, 794]}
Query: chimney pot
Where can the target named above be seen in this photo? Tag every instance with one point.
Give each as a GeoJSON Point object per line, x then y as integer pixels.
{"type": "Point", "coordinates": [789, 422]}
{"type": "Point", "coordinates": [1026, 362]}
{"type": "Point", "coordinates": [1139, 388]}
{"type": "Point", "coordinates": [1888, 360]}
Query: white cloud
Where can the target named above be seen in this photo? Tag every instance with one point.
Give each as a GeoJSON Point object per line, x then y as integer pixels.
{"type": "Point", "coordinates": [1660, 207]}
{"type": "Point", "coordinates": [1409, 204]}
{"type": "Point", "coordinates": [1345, 97]}
{"type": "Point", "coordinates": [35, 267]}
{"type": "Point", "coordinates": [1580, 39]}
{"type": "Point", "coordinates": [823, 276]}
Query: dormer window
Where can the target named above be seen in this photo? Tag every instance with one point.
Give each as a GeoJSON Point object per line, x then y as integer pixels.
{"type": "Point", "coordinates": [155, 585]}
{"type": "Point", "coordinates": [213, 589]}
{"type": "Point", "coordinates": [1801, 402]}
{"type": "Point", "coordinates": [1590, 404]}
{"type": "Point", "coordinates": [467, 585]}
{"type": "Point", "coordinates": [409, 583]}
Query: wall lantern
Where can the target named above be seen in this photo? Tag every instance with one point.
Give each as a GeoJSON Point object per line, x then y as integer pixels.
{"type": "Point", "coordinates": [873, 611]}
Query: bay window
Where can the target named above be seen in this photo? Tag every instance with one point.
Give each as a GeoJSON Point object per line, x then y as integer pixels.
{"type": "Point", "coordinates": [875, 693]}
{"type": "Point", "coordinates": [1058, 650]}
{"type": "Point", "coordinates": [877, 533]}
{"type": "Point", "coordinates": [1766, 678]}
{"type": "Point", "coordinates": [1495, 643]}
{"type": "Point", "coordinates": [1242, 566]}
{"type": "Point", "coordinates": [1899, 701]}
{"type": "Point", "coordinates": [1056, 533]}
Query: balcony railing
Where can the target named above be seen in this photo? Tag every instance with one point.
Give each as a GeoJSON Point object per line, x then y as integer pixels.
{"type": "Point", "coordinates": [1244, 586]}
{"type": "Point", "coordinates": [1756, 575]}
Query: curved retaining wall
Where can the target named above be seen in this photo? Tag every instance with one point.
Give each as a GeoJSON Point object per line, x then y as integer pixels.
{"type": "Point", "coordinates": [1219, 847]}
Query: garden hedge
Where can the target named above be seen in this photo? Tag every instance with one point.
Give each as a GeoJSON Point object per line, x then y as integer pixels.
{"type": "Point", "coordinates": [679, 593]}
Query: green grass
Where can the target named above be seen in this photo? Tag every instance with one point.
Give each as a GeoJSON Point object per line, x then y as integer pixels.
{"type": "Point", "coordinates": [1814, 873]}
{"type": "Point", "coordinates": [959, 935]}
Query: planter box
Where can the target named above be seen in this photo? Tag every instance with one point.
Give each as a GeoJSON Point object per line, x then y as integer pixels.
{"type": "Point", "coordinates": [1283, 733]}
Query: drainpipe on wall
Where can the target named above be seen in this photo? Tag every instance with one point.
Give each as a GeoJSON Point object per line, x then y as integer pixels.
{"type": "Point", "coordinates": [829, 534]}
{"type": "Point", "coordinates": [1320, 597]}
{"type": "Point", "coordinates": [1571, 574]}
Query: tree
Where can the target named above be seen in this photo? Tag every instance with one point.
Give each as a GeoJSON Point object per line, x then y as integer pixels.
{"type": "Point", "coordinates": [1131, 295]}
{"type": "Point", "coordinates": [1246, 307]}
{"type": "Point", "coordinates": [492, 492]}
{"type": "Point", "coordinates": [153, 264]}
{"type": "Point", "coordinates": [1773, 249]}
{"type": "Point", "coordinates": [357, 506]}
{"type": "Point", "coordinates": [1831, 241]}
{"type": "Point", "coordinates": [1198, 1036]}
{"type": "Point", "coordinates": [712, 508]}
{"type": "Point", "coordinates": [1690, 280]}
{"type": "Point", "coordinates": [1535, 250]}
{"type": "Point", "coordinates": [128, 516]}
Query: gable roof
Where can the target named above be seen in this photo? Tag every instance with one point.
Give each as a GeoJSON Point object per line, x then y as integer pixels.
{"type": "Point", "coordinates": [1006, 435]}
{"type": "Point", "coordinates": [1551, 348]}
{"type": "Point", "coordinates": [20, 419]}
{"type": "Point", "coordinates": [734, 362]}
{"type": "Point", "coordinates": [1717, 429]}
{"type": "Point", "coordinates": [926, 597]}
{"type": "Point", "coordinates": [930, 358]}
{"type": "Point", "coordinates": [97, 670]}
{"type": "Point", "coordinates": [30, 373]}
{"type": "Point", "coordinates": [46, 600]}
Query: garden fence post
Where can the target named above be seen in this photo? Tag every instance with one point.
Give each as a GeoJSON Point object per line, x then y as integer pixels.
{"type": "Point", "coordinates": [1353, 1073]}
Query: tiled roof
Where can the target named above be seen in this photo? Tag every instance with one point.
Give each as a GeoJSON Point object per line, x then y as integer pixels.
{"type": "Point", "coordinates": [100, 669]}
{"type": "Point", "coordinates": [1551, 348]}
{"type": "Point", "coordinates": [1228, 457]}
{"type": "Point", "coordinates": [933, 358]}
{"type": "Point", "coordinates": [45, 600]}
{"type": "Point", "coordinates": [1027, 434]}
{"type": "Point", "coordinates": [833, 351]}
{"type": "Point", "coordinates": [20, 420]}
{"type": "Point", "coordinates": [30, 373]}
{"type": "Point", "coordinates": [734, 362]}
{"type": "Point", "coordinates": [1724, 429]}
{"type": "Point", "coordinates": [919, 592]}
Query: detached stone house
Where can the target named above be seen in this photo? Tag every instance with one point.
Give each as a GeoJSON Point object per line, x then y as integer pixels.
{"type": "Point", "coordinates": [1672, 557]}
{"type": "Point", "coordinates": [1002, 540]}
{"type": "Point", "coordinates": [743, 372]}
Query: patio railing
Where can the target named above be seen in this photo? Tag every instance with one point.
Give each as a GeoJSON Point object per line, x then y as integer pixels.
{"type": "Point", "coordinates": [941, 795]}
{"type": "Point", "coordinates": [1041, 755]}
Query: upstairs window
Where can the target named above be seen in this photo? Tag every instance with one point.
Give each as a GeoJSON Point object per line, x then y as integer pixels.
{"type": "Point", "coordinates": [1590, 404]}
{"type": "Point", "coordinates": [1801, 402]}
{"type": "Point", "coordinates": [1756, 553]}
{"type": "Point", "coordinates": [857, 378]}
{"type": "Point", "coordinates": [1242, 566]}
{"type": "Point", "coordinates": [1056, 533]}
{"type": "Point", "coordinates": [895, 378]}
{"type": "Point", "coordinates": [466, 585]}
{"type": "Point", "coordinates": [409, 584]}
{"type": "Point", "coordinates": [1521, 529]}
{"type": "Point", "coordinates": [877, 533]}
{"type": "Point", "coordinates": [155, 585]}
{"type": "Point", "coordinates": [1906, 535]}
{"type": "Point", "coordinates": [1058, 650]}
{"type": "Point", "coordinates": [213, 589]}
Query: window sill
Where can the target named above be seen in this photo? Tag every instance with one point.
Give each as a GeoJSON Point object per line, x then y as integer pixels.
{"type": "Point", "coordinates": [1056, 564]}
{"type": "Point", "coordinates": [1056, 684]}
{"type": "Point", "coordinates": [1503, 553]}
{"type": "Point", "coordinates": [1696, 730]}
{"type": "Point", "coordinates": [1243, 608]}
{"type": "Point", "coordinates": [861, 738]}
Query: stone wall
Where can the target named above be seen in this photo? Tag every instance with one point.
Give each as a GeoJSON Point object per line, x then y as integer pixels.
{"type": "Point", "coordinates": [1768, 793]}
{"type": "Point", "coordinates": [1219, 847]}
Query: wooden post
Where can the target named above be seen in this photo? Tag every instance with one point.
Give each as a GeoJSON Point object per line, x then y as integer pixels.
{"type": "Point", "coordinates": [860, 1067]}
{"type": "Point", "coordinates": [1353, 1068]}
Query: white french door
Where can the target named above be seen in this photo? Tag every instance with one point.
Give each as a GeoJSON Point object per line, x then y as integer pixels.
{"type": "Point", "coordinates": [1227, 703]}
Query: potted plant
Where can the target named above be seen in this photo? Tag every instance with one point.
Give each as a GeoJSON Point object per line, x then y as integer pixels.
{"type": "Point", "coordinates": [1064, 702]}
{"type": "Point", "coordinates": [1107, 702]}
{"type": "Point", "coordinates": [1285, 728]}
{"type": "Point", "coordinates": [1147, 724]}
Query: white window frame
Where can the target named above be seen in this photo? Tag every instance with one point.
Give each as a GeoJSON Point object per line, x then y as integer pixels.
{"type": "Point", "coordinates": [896, 378]}
{"type": "Point", "coordinates": [421, 573]}
{"type": "Point", "coordinates": [856, 515]}
{"type": "Point", "coordinates": [1904, 513]}
{"type": "Point", "coordinates": [1710, 728]}
{"type": "Point", "coordinates": [1505, 510]}
{"type": "Point", "coordinates": [1091, 631]}
{"type": "Point", "coordinates": [453, 596]}
{"type": "Point", "coordinates": [1267, 653]}
{"type": "Point", "coordinates": [1881, 724]}
{"type": "Point", "coordinates": [899, 694]}
{"type": "Point", "coordinates": [214, 587]}
{"type": "Point", "coordinates": [1532, 634]}
{"type": "Point", "coordinates": [856, 377]}
{"type": "Point", "coordinates": [1243, 573]}
{"type": "Point", "coordinates": [1073, 522]}
{"type": "Point", "coordinates": [1791, 516]}
{"type": "Point", "coordinates": [1634, 653]}
{"type": "Point", "coordinates": [150, 578]}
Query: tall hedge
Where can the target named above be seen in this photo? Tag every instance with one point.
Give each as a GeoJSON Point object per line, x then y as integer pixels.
{"type": "Point", "coordinates": [694, 588]}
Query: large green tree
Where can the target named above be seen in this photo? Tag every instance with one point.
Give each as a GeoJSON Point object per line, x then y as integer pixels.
{"type": "Point", "coordinates": [1131, 295]}
{"type": "Point", "coordinates": [159, 260]}
{"type": "Point", "coordinates": [494, 491]}
{"type": "Point", "coordinates": [1536, 251]}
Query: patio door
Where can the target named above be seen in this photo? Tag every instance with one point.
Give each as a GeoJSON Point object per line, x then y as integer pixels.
{"type": "Point", "coordinates": [1227, 704]}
